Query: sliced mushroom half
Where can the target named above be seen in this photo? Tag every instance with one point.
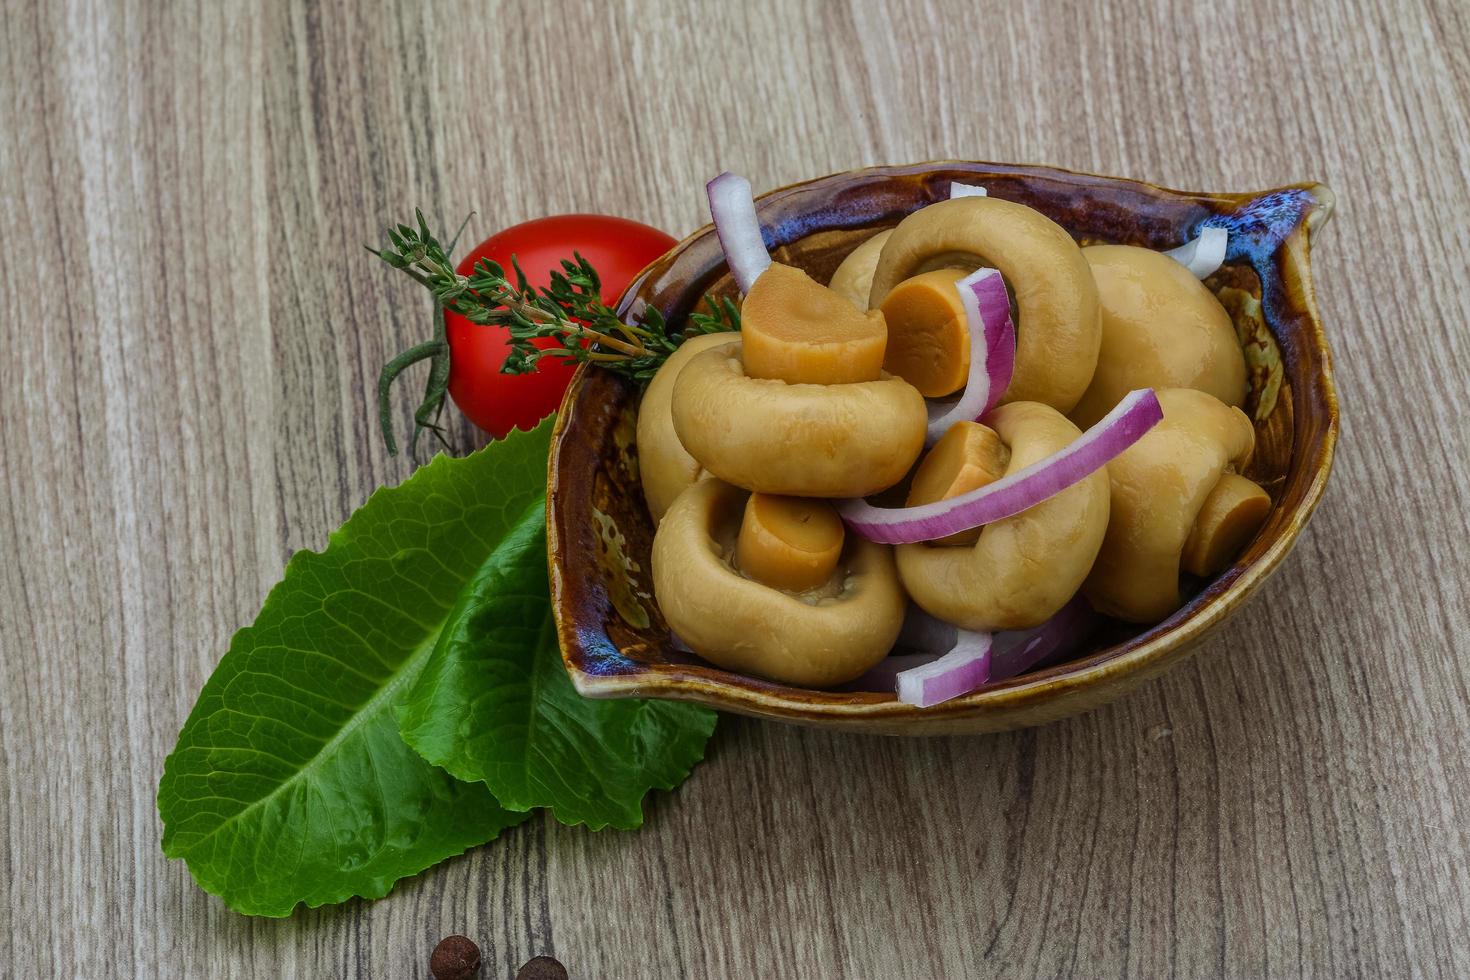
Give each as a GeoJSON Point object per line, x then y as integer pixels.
{"type": "Point", "coordinates": [823, 636]}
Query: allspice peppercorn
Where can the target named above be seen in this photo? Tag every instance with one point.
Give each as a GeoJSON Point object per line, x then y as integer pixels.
{"type": "Point", "coordinates": [542, 968]}
{"type": "Point", "coordinates": [455, 958]}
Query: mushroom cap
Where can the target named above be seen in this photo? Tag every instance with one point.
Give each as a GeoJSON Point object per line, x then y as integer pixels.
{"type": "Point", "coordinates": [1159, 484]}
{"type": "Point", "coordinates": [853, 279]}
{"type": "Point", "coordinates": [815, 639]}
{"type": "Point", "coordinates": [664, 465]}
{"type": "Point", "coordinates": [1161, 328]}
{"type": "Point", "coordinates": [1057, 317]}
{"type": "Point", "coordinates": [1025, 568]}
{"type": "Point", "coordinates": [803, 440]}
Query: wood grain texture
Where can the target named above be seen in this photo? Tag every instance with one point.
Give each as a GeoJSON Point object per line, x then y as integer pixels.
{"type": "Point", "coordinates": [191, 332]}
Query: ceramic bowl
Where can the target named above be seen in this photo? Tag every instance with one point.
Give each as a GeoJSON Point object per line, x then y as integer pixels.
{"type": "Point", "coordinates": [612, 637]}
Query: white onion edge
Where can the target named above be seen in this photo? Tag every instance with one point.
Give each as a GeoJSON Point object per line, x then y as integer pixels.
{"type": "Point", "coordinates": [732, 207]}
{"type": "Point", "coordinates": [969, 649]}
{"type": "Point", "coordinates": [1203, 254]}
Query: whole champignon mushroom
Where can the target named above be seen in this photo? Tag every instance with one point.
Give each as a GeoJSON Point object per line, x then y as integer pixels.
{"type": "Point", "coordinates": [806, 440]}
{"type": "Point", "coordinates": [800, 406]}
{"type": "Point", "coordinates": [818, 638]}
{"type": "Point", "coordinates": [1023, 569]}
{"type": "Point", "coordinates": [1057, 317]}
{"type": "Point", "coordinates": [853, 279]}
{"type": "Point", "coordinates": [1161, 328]}
{"type": "Point", "coordinates": [1172, 488]}
{"type": "Point", "coordinates": [664, 465]}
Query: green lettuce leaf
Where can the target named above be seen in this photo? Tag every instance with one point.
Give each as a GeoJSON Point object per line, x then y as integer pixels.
{"type": "Point", "coordinates": [494, 705]}
{"type": "Point", "coordinates": [290, 782]}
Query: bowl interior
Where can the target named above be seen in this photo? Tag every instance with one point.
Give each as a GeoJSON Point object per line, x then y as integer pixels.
{"type": "Point", "coordinates": [613, 638]}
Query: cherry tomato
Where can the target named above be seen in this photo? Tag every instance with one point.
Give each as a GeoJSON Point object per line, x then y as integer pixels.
{"type": "Point", "coordinates": [616, 247]}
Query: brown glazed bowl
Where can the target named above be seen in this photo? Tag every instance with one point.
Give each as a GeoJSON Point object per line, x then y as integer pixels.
{"type": "Point", "coordinates": [613, 638]}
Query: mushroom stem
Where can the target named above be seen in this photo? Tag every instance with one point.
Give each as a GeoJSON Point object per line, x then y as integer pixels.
{"type": "Point", "coordinates": [928, 333]}
{"type": "Point", "coordinates": [800, 332]}
{"type": "Point", "coordinates": [967, 457]}
{"type": "Point", "coordinates": [1233, 513]}
{"type": "Point", "coordinates": [788, 543]}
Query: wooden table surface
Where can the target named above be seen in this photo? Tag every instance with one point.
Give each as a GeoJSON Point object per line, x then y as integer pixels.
{"type": "Point", "coordinates": [191, 331]}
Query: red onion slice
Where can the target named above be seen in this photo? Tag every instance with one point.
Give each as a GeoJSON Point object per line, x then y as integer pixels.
{"type": "Point", "coordinates": [963, 669]}
{"type": "Point", "coordinates": [992, 352]}
{"type": "Point", "coordinates": [1055, 639]}
{"type": "Point", "coordinates": [1012, 652]}
{"type": "Point", "coordinates": [1138, 412]}
{"type": "Point", "coordinates": [1203, 254]}
{"type": "Point", "coordinates": [732, 206]}
{"type": "Point", "coordinates": [956, 189]}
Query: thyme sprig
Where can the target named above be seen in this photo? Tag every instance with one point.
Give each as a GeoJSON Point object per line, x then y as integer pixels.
{"type": "Point", "coordinates": [569, 311]}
